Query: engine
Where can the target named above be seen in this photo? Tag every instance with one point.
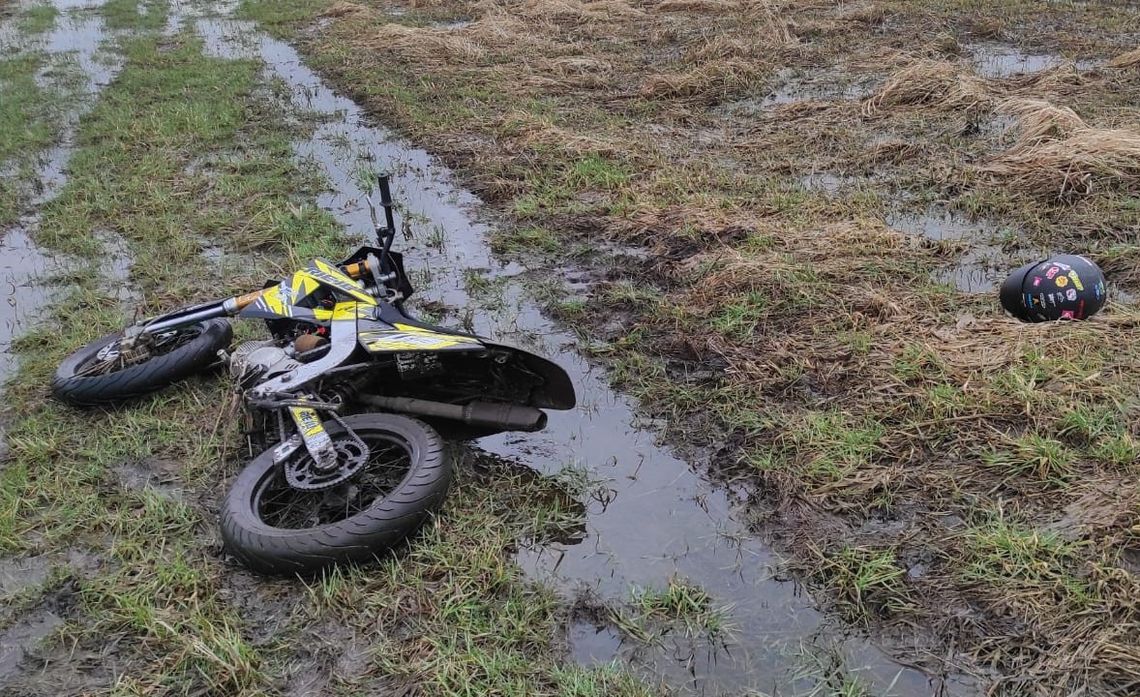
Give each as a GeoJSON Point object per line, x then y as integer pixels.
{"type": "Point", "coordinates": [253, 361]}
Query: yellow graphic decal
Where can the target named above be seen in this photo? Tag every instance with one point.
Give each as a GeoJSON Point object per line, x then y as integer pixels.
{"type": "Point", "coordinates": [303, 284]}
{"type": "Point", "coordinates": [345, 310]}
{"type": "Point", "coordinates": [277, 301]}
{"type": "Point", "coordinates": [408, 338]}
{"type": "Point", "coordinates": [332, 276]}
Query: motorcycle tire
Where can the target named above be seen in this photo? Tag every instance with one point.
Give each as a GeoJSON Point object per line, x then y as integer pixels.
{"type": "Point", "coordinates": [275, 529]}
{"type": "Point", "coordinates": [76, 384]}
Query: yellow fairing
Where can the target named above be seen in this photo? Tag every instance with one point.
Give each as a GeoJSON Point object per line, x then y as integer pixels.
{"type": "Point", "coordinates": [346, 310]}
{"type": "Point", "coordinates": [406, 337]}
{"type": "Point", "coordinates": [330, 275]}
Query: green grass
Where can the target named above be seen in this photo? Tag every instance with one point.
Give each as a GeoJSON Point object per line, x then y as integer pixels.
{"type": "Point", "coordinates": [134, 14]}
{"type": "Point", "coordinates": [652, 613]}
{"type": "Point", "coordinates": [869, 583]}
{"type": "Point", "coordinates": [36, 19]}
{"type": "Point", "coordinates": [595, 171]}
{"type": "Point", "coordinates": [827, 445]}
{"type": "Point", "coordinates": [159, 588]}
{"type": "Point", "coordinates": [1027, 565]}
{"type": "Point", "coordinates": [516, 241]}
{"type": "Point", "coordinates": [1045, 459]}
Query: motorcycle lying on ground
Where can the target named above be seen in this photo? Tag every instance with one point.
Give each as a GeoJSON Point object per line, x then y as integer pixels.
{"type": "Point", "coordinates": [344, 402]}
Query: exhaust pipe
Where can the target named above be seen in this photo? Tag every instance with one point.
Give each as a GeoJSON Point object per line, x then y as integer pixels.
{"type": "Point", "coordinates": [505, 417]}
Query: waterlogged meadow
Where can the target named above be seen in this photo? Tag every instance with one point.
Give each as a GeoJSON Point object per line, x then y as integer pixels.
{"type": "Point", "coordinates": [774, 228]}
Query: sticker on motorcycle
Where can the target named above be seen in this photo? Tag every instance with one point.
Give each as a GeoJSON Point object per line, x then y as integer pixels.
{"type": "Point", "coordinates": [317, 439]}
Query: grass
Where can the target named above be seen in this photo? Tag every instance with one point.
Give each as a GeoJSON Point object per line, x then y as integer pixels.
{"type": "Point", "coordinates": [36, 19]}
{"type": "Point", "coordinates": [134, 14]}
{"type": "Point", "coordinates": [865, 402]}
{"type": "Point", "coordinates": [868, 583]}
{"type": "Point", "coordinates": [184, 150]}
{"type": "Point", "coordinates": [652, 611]}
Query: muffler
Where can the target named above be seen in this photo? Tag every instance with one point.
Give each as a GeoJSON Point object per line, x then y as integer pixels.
{"type": "Point", "coordinates": [504, 417]}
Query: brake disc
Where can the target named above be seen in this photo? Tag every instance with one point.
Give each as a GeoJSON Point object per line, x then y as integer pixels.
{"type": "Point", "coordinates": [302, 471]}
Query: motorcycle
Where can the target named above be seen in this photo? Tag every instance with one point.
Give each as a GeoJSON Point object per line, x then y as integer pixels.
{"type": "Point", "coordinates": [344, 402]}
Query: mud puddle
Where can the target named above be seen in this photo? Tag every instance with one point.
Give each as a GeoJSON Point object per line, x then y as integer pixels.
{"type": "Point", "coordinates": [17, 575]}
{"type": "Point", "coordinates": [828, 182]}
{"type": "Point", "coordinates": [995, 60]}
{"type": "Point", "coordinates": [987, 259]}
{"type": "Point", "coordinates": [654, 518]}
{"type": "Point", "coordinates": [793, 86]}
{"type": "Point", "coordinates": [77, 36]}
{"type": "Point", "coordinates": [17, 640]}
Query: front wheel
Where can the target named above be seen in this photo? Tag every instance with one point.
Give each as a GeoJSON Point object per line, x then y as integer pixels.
{"type": "Point", "coordinates": [274, 527]}
{"type": "Point", "coordinates": [106, 372]}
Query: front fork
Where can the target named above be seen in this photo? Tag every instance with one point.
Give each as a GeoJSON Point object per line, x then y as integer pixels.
{"type": "Point", "coordinates": [299, 425]}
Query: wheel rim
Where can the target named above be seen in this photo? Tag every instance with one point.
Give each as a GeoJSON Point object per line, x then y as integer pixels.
{"type": "Point", "coordinates": [112, 358]}
{"type": "Point", "coordinates": [279, 505]}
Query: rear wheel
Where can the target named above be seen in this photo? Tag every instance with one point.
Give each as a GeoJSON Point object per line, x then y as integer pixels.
{"type": "Point", "coordinates": [273, 527]}
{"type": "Point", "coordinates": [106, 371]}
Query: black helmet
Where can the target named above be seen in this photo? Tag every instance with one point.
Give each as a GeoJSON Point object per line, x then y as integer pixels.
{"type": "Point", "coordinates": [1064, 286]}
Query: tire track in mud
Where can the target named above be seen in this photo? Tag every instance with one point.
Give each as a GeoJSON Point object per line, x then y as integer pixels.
{"type": "Point", "coordinates": [78, 34]}
{"type": "Point", "coordinates": [654, 517]}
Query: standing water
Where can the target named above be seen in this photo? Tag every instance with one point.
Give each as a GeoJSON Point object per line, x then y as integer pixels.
{"type": "Point", "coordinates": [660, 519]}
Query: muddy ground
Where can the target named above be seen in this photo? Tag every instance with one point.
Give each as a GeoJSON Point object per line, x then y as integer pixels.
{"type": "Point", "coordinates": [775, 227]}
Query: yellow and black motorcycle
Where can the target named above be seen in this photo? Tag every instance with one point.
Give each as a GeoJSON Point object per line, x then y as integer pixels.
{"type": "Point", "coordinates": [345, 402]}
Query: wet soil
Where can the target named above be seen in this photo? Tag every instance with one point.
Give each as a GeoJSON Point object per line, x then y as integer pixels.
{"type": "Point", "coordinates": [986, 259]}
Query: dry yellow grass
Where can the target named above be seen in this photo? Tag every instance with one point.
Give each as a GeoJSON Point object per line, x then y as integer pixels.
{"type": "Point", "coordinates": [573, 12]}
{"type": "Point", "coordinates": [697, 6]}
{"type": "Point", "coordinates": [343, 8]}
{"type": "Point", "coordinates": [708, 83]}
{"type": "Point", "coordinates": [1130, 59]}
{"type": "Point", "coordinates": [928, 82]}
{"type": "Point", "coordinates": [424, 45]}
{"type": "Point", "coordinates": [1039, 120]}
{"type": "Point", "coordinates": [1085, 161]}
{"type": "Point", "coordinates": [571, 72]}
{"type": "Point", "coordinates": [535, 133]}
{"type": "Point", "coordinates": [1057, 155]}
